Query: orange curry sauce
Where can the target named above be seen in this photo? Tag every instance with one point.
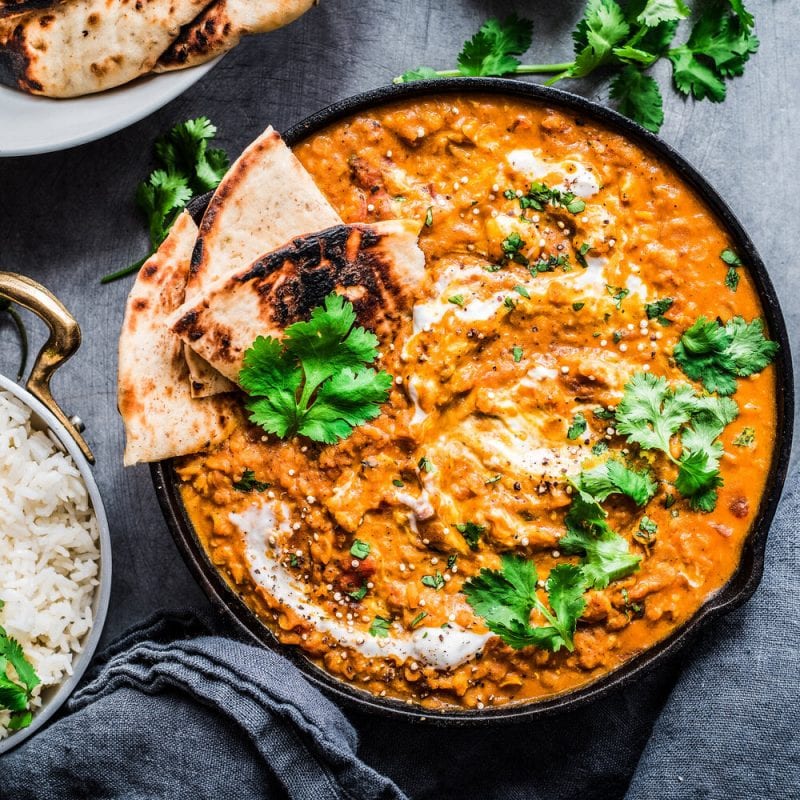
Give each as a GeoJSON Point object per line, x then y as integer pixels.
{"type": "Point", "coordinates": [487, 382]}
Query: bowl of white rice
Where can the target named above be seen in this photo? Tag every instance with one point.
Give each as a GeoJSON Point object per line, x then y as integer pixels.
{"type": "Point", "coordinates": [55, 558]}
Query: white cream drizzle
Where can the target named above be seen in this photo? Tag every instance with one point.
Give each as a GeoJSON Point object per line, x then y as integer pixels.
{"type": "Point", "coordinates": [440, 648]}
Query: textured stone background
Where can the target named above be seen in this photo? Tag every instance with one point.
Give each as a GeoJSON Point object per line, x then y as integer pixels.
{"type": "Point", "coordinates": [68, 218]}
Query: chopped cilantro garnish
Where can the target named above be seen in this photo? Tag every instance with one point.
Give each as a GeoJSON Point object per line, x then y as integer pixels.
{"type": "Point", "coordinates": [16, 692]}
{"type": "Point", "coordinates": [746, 438]}
{"type": "Point", "coordinates": [613, 477]}
{"type": "Point", "coordinates": [248, 483]}
{"type": "Point", "coordinates": [599, 448]}
{"type": "Point", "coordinates": [397, 482]}
{"type": "Point", "coordinates": [429, 217]}
{"type": "Point", "coordinates": [522, 291]}
{"type": "Point", "coordinates": [380, 627]}
{"type": "Point", "coordinates": [548, 264]}
{"type": "Point", "coordinates": [435, 581]}
{"type": "Point", "coordinates": [359, 549]}
{"type": "Point", "coordinates": [512, 248]}
{"type": "Point", "coordinates": [577, 427]}
{"type": "Point", "coordinates": [505, 598]}
{"type": "Point", "coordinates": [732, 275]}
{"type": "Point", "coordinates": [539, 195]}
{"type": "Point", "coordinates": [618, 294]}
{"type": "Point", "coordinates": [358, 594]}
{"type": "Point", "coordinates": [658, 308]}
{"type": "Point", "coordinates": [580, 254]}
{"type": "Point", "coordinates": [646, 533]}
{"type": "Point", "coordinates": [471, 532]}
{"type": "Point", "coordinates": [578, 306]}
{"type": "Point", "coordinates": [716, 354]}
{"type": "Point", "coordinates": [314, 381]}
{"type": "Point", "coordinates": [451, 560]}
{"type": "Point", "coordinates": [416, 621]}
{"type": "Point", "coordinates": [456, 300]}
{"type": "Point", "coordinates": [425, 464]}
{"type": "Point", "coordinates": [493, 479]}
{"type": "Point", "coordinates": [516, 352]}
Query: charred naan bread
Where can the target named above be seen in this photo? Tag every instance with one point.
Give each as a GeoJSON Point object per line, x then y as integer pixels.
{"type": "Point", "coordinates": [377, 267]}
{"type": "Point", "coordinates": [266, 199]}
{"type": "Point", "coordinates": [161, 418]}
{"type": "Point", "coordinates": [84, 46]}
{"type": "Point", "coordinates": [220, 27]}
{"type": "Point", "coordinates": [10, 7]}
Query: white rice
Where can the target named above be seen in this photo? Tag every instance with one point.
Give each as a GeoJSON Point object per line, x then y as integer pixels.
{"type": "Point", "coordinates": [49, 552]}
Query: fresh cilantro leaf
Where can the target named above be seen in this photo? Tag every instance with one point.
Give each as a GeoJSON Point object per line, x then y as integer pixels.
{"type": "Point", "coordinates": [429, 217]}
{"type": "Point", "coordinates": [618, 294]}
{"type": "Point", "coordinates": [601, 29]}
{"type": "Point", "coordinates": [658, 308]}
{"type": "Point", "coordinates": [505, 598]}
{"type": "Point", "coordinates": [577, 427]}
{"type": "Point", "coordinates": [325, 356]}
{"type": "Point", "coordinates": [539, 195]}
{"type": "Point", "coordinates": [418, 74]}
{"type": "Point", "coordinates": [638, 97]}
{"type": "Point", "coordinates": [732, 275]}
{"type": "Point", "coordinates": [456, 300]}
{"type": "Point", "coordinates": [718, 48]}
{"type": "Point", "coordinates": [599, 448]}
{"type": "Point", "coordinates": [512, 248]}
{"type": "Point", "coordinates": [492, 50]}
{"type": "Point", "coordinates": [13, 697]}
{"type": "Point", "coordinates": [451, 560]}
{"type": "Point", "coordinates": [425, 464]}
{"type": "Point", "coordinates": [613, 477]}
{"type": "Point", "coordinates": [416, 621]}
{"type": "Point", "coordinates": [646, 533]}
{"type": "Point", "coordinates": [651, 413]}
{"type": "Point", "coordinates": [656, 11]}
{"type": "Point", "coordinates": [607, 556]}
{"type": "Point", "coordinates": [398, 482]}
{"type": "Point", "coordinates": [516, 353]}
{"type": "Point", "coordinates": [380, 627]}
{"type": "Point", "coordinates": [548, 264]}
{"type": "Point", "coordinates": [359, 549]}
{"type": "Point", "coordinates": [493, 479]}
{"type": "Point", "coordinates": [745, 17]}
{"type": "Point", "coordinates": [471, 532]}
{"type": "Point", "coordinates": [746, 438]}
{"type": "Point", "coordinates": [359, 594]}
{"type": "Point", "coordinates": [580, 254]}
{"type": "Point", "coordinates": [11, 651]}
{"type": "Point", "coordinates": [186, 167]}
{"type": "Point", "coordinates": [578, 306]}
{"type": "Point", "coordinates": [522, 291]}
{"type": "Point", "coordinates": [248, 483]}
{"type": "Point", "coordinates": [433, 581]}
{"type": "Point", "coordinates": [716, 354]}
{"type": "Point", "coordinates": [19, 720]}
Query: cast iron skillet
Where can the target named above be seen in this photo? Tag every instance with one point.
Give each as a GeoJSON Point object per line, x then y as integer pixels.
{"type": "Point", "coordinates": [748, 575]}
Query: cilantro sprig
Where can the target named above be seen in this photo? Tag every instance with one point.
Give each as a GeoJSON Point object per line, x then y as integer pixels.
{"type": "Point", "coordinates": [505, 599]}
{"type": "Point", "coordinates": [314, 381]}
{"type": "Point", "coordinates": [625, 40]}
{"type": "Point", "coordinates": [716, 354]}
{"type": "Point", "coordinates": [186, 167]}
{"type": "Point", "coordinates": [16, 692]}
{"type": "Point", "coordinates": [651, 413]}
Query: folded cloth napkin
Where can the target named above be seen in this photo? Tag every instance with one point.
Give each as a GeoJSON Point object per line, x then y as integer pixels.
{"type": "Point", "coordinates": [171, 711]}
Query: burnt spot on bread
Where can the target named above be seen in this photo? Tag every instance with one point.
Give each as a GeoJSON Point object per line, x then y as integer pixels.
{"type": "Point", "coordinates": [186, 323]}
{"type": "Point", "coordinates": [141, 304]}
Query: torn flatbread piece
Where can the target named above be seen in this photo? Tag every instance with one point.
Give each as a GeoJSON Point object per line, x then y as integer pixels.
{"type": "Point", "coordinates": [265, 199]}
{"type": "Point", "coordinates": [85, 46]}
{"type": "Point", "coordinates": [221, 26]}
{"type": "Point", "coordinates": [9, 8]}
{"type": "Point", "coordinates": [161, 418]}
{"type": "Point", "coordinates": [378, 267]}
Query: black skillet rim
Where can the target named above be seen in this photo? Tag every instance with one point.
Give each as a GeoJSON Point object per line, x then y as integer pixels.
{"type": "Point", "coordinates": [738, 589]}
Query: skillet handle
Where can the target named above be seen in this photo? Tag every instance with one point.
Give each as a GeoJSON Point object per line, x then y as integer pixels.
{"type": "Point", "coordinates": [64, 340]}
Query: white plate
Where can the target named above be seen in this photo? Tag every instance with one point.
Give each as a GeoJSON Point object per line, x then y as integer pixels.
{"type": "Point", "coordinates": [30, 124]}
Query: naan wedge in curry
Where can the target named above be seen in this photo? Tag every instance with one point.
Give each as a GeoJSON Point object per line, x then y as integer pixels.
{"type": "Point", "coordinates": [161, 418]}
{"type": "Point", "coordinates": [377, 267]}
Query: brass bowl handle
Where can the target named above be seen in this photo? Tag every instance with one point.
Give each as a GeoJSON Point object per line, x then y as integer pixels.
{"type": "Point", "coordinates": [64, 340]}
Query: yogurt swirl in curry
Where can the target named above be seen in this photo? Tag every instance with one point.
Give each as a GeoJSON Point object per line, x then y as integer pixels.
{"type": "Point", "coordinates": [508, 371]}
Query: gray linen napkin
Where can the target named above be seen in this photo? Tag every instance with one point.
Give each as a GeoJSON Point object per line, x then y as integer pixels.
{"type": "Point", "coordinates": [174, 712]}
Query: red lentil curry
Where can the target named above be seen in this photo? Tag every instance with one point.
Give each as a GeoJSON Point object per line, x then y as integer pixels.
{"type": "Point", "coordinates": [562, 261]}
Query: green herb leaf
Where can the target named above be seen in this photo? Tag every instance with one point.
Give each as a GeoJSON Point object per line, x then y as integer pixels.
{"type": "Point", "coordinates": [516, 352]}
{"type": "Point", "coordinates": [577, 427]}
{"type": "Point", "coordinates": [658, 308]}
{"type": "Point", "coordinates": [505, 598]}
{"type": "Point", "coordinates": [717, 354]}
{"type": "Point", "coordinates": [746, 438]}
{"type": "Point", "coordinates": [380, 627]}
{"type": "Point", "coordinates": [471, 532]}
{"type": "Point", "coordinates": [618, 294]}
{"type": "Point", "coordinates": [429, 217]}
{"type": "Point", "coordinates": [359, 594]}
{"type": "Point", "coordinates": [435, 581]}
{"type": "Point", "coordinates": [656, 11]}
{"type": "Point", "coordinates": [359, 549]}
{"type": "Point", "coordinates": [522, 291]}
{"type": "Point", "coordinates": [416, 621]}
{"type": "Point", "coordinates": [492, 50]}
{"type": "Point", "coordinates": [601, 29]}
{"type": "Point", "coordinates": [248, 483]}
{"type": "Point", "coordinates": [425, 464]}
{"type": "Point", "coordinates": [613, 477]}
{"type": "Point", "coordinates": [325, 355]}
{"type": "Point", "coordinates": [418, 74]}
{"type": "Point", "coordinates": [638, 97]}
